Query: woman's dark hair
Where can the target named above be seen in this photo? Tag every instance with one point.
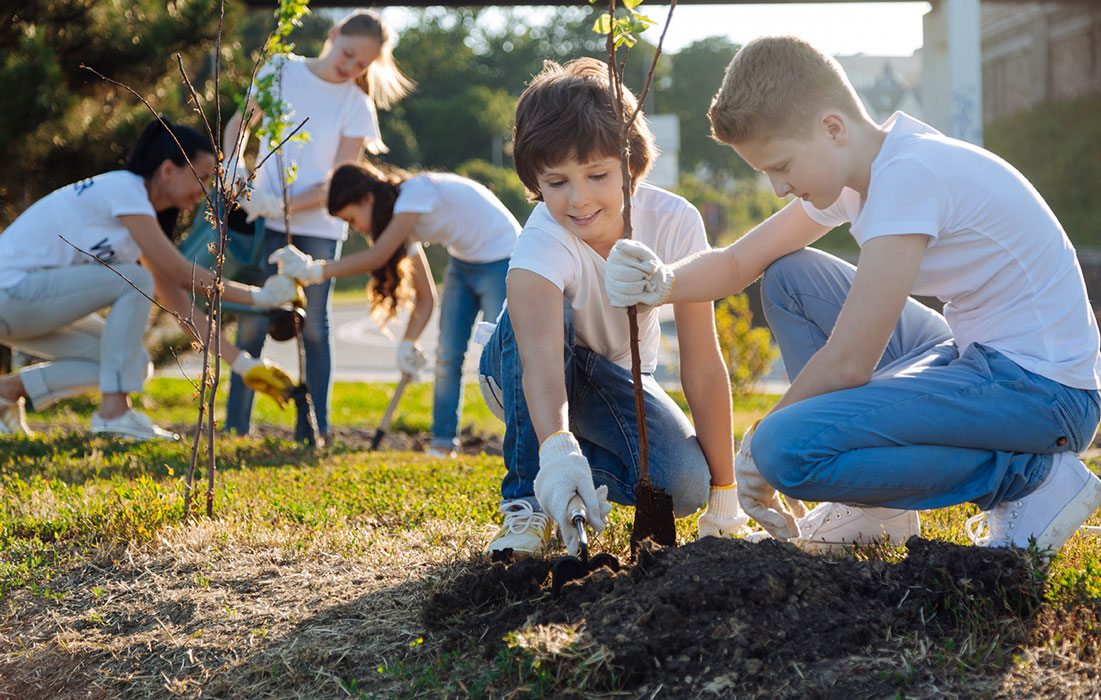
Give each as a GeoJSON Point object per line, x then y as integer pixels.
{"type": "Point", "coordinates": [351, 183]}
{"type": "Point", "coordinates": [155, 145]}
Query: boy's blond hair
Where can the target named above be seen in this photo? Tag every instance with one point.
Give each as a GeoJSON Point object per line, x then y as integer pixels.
{"type": "Point", "coordinates": [776, 87]}
{"type": "Point", "coordinates": [568, 112]}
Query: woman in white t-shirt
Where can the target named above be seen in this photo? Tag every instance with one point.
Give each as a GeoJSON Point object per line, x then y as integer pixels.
{"type": "Point", "coordinates": [400, 212]}
{"type": "Point", "coordinates": [337, 91]}
{"type": "Point", "coordinates": [52, 284]}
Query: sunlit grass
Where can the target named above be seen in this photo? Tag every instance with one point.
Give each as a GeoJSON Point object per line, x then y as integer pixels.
{"type": "Point", "coordinates": [66, 494]}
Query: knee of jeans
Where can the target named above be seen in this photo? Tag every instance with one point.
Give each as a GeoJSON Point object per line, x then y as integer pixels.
{"type": "Point", "coordinates": [774, 281]}
{"type": "Point", "coordinates": [692, 485]}
{"type": "Point", "coordinates": [775, 455]}
{"type": "Point", "coordinates": [140, 277]}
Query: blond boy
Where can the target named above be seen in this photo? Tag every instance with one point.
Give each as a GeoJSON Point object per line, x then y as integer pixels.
{"type": "Point", "coordinates": [892, 406]}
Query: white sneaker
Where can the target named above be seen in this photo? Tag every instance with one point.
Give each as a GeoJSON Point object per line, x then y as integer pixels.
{"type": "Point", "coordinates": [834, 526]}
{"type": "Point", "coordinates": [1050, 514]}
{"type": "Point", "coordinates": [525, 532]}
{"type": "Point", "coordinates": [131, 424]}
{"type": "Point", "coordinates": [13, 417]}
{"type": "Point", "coordinates": [441, 453]}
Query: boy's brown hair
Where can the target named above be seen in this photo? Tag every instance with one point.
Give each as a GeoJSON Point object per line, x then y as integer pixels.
{"type": "Point", "coordinates": [568, 112]}
{"type": "Point", "coordinates": [775, 87]}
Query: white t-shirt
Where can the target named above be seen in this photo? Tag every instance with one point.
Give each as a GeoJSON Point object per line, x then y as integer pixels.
{"type": "Point", "coordinates": [997, 256]}
{"type": "Point", "coordinates": [86, 213]}
{"type": "Point", "coordinates": [335, 110]}
{"type": "Point", "coordinates": [460, 214]}
{"type": "Point", "coordinates": [667, 223]}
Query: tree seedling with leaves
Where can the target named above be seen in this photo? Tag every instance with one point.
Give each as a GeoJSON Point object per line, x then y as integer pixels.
{"type": "Point", "coordinates": [274, 128]}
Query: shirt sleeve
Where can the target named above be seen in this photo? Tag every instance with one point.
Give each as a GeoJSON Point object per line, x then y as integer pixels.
{"type": "Point", "coordinates": [417, 195]}
{"type": "Point", "coordinates": [362, 119]}
{"type": "Point", "coordinates": [125, 196]}
{"type": "Point", "coordinates": [840, 212]}
{"type": "Point", "coordinates": [541, 252]}
{"type": "Point", "coordinates": [905, 197]}
{"type": "Point", "coordinates": [689, 235]}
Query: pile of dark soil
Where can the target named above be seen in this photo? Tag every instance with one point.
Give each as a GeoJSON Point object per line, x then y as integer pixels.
{"type": "Point", "coordinates": [732, 618]}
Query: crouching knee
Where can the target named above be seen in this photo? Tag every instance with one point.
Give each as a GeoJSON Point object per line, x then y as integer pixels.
{"type": "Point", "coordinates": [775, 452]}
{"type": "Point", "coordinates": [691, 483]}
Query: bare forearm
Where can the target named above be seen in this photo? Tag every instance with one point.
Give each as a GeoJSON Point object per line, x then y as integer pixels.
{"type": "Point", "coordinates": [546, 398]}
{"type": "Point", "coordinates": [313, 198]}
{"type": "Point", "coordinates": [706, 276]}
{"type": "Point", "coordinates": [824, 373]}
{"type": "Point", "coordinates": [418, 319]}
{"type": "Point", "coordinates": [708, 393]}
{"type": "Point", "coordinates": [179, 301]}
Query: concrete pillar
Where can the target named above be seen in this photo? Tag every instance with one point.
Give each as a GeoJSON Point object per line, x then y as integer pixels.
{"type": "Point", "coordinates": [952, 68]}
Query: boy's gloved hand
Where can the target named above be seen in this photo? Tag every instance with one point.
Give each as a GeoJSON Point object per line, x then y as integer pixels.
{"type": "Point", "coordinates": [723, 517]}
{"type": "Point", "coordinates": [262, 204]}
{"type": "Point", "coordinates": [634, 274]}
{"type": "Point", "coordinates": [759, 500]}
{"type": "Point", "coordinates": [294, 263]}
{"type": "Point", "coordinates": [411, 359]}
{"type": "Point", "coordinates": [277, 290]}
{"type": "Point", "coordinates": [563, 473]}
{"type": "Point", "coordinates": [264, 376]}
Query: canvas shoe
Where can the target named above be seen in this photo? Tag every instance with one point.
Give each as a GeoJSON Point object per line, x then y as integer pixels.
{"type": "Point", "coordinates": [833, 526]}
{"type": "Point", "coordinates": [13, 417]}
{"type": "Point", "coordinates": [1050, 514]}
{"type": "Point", "coordinates": [441, 452]}
{"type": "Point", "coordinates": [525, 531]}
{"type": "Point", "coordinates": [131, 424]}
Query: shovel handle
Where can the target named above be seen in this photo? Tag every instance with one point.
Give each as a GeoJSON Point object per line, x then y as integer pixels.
{"type": "Point", "coordinates": [384, 424]}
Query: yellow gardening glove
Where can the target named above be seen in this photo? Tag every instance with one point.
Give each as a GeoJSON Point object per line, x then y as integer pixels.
{"type": "Point", "coordinates": [265, 377]}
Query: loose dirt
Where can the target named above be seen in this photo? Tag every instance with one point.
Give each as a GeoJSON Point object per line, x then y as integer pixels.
{"type": "Point", "coordinates": [731, 618]}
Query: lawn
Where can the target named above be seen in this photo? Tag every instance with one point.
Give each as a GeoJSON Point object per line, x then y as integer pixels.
{"type": "Point", "coordinates": [313, 577]}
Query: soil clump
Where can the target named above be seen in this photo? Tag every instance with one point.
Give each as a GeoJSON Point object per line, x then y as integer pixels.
{"type": "Point", "coordinates": [732, 618]}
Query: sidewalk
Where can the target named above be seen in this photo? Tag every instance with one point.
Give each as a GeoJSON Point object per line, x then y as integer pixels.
{"type": "Point", "coordinates": [363, 353]}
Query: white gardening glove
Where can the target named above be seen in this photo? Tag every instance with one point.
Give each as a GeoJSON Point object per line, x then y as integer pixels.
{"type": "Point", "coordinates": [564, 473]}
{"type": "Point", "coordinates": [262, 204]}
{"type": "Point", "coordinates": [723, 517]}
{"type": "Point", "coordinates": [759, 499]}
{"type": "Point", "coordinates": [634, 274]}
{"type": "Point", "coordinates": [411, 359]}
{"type": "Point", "coordinates": [294, 263]}
{"type": "Point", "coordinates": [277, 290]}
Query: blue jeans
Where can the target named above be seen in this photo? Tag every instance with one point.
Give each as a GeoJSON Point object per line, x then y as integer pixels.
{"type": "Point", "coordinates": [934, 427]}
{"type": "Point", "coordinates": [252, 329]}
{"type": "Point", "coordinates": [468, 288]}
{"type": "Point", "coordinates": [602, 417]}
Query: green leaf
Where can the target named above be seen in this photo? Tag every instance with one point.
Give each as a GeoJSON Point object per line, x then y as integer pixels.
{"type": "Point", "coordinates": [631, 4]}
{"type": "Point", "coordinates": [603, 24]}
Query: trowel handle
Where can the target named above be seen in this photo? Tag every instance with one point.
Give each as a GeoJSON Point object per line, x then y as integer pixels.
{"type": "Point", "coordinates": [579, 517]}
{"type": "Point", "coordinates": [576, 508]}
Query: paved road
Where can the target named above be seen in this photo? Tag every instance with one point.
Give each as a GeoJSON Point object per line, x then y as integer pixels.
{"type": "Point", "coordinates": [361, 352]}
